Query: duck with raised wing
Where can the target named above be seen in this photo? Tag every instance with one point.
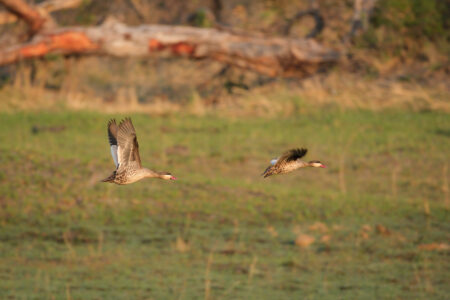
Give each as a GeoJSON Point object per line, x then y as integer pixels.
{"type": "Point", "coordinates": [290, 161]}
{"type": "Point", "coordinates": [125, 153]}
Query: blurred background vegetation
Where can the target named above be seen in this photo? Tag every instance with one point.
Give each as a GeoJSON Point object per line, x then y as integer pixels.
{"type": "Point", "coordinates": [373, 225]}
{"type": "Point", "coordinates": [404, 44]}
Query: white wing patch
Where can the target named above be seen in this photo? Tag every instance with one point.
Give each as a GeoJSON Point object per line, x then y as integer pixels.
{"type": "Point", "coordinates": [114, 155]}
{"type": "Point", "coordinates": [273, 161]}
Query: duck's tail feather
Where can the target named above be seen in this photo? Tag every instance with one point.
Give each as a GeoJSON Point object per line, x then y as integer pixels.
{"type": "Point", "coordinates": [267, 172]}
{"type": "Point", "coordinates": [110, 178]}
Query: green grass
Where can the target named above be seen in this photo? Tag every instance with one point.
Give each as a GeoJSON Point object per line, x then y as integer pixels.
{"type": "Point", "coordinates": [65, 235]}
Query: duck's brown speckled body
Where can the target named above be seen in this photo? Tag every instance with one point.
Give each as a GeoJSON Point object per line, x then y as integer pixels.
{"type": "Point", "coordinates": [125, 153]}
{"type": "Point", "coordinates": [290, 161]}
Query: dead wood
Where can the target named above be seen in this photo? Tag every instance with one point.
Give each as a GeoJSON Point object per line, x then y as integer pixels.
{"type": "Point", "coordinates": [272, 56]}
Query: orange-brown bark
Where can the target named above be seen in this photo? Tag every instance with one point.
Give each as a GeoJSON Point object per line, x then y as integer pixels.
{"type": "Point", "coordinates": [67, 42]}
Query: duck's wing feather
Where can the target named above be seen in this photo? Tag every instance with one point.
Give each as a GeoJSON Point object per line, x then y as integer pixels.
{"type": "Point", "coordinates": [292, 155]}
{"type": "Point", "coordinates": [128, 150]}
{"type": "Point", "coordinates": [289, 157]}
{"type": "Point", "coordinates": [112, 137]}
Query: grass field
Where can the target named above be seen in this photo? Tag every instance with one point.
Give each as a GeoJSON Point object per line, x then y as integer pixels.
{"type": "Point", "coordinates": [379, 214]}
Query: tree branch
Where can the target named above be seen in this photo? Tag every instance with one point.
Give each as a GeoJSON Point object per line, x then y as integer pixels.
{"type": "Point", "coordinates": [43, 9]}
{"type": "Point", "coordinates": [315, 13]}
{"type": "Point", "coordinates": [23, 11]}
{"type": "Point", "coordinates": [361, 14]}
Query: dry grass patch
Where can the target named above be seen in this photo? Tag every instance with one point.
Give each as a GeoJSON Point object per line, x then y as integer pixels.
{"type": "Point", "coordinates": [271, 101]}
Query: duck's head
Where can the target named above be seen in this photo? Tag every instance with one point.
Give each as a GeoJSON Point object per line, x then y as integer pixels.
{"type": "Point", "coordinates": [316, 164]}
{"type": "Point", "coordinates": [167, 176]}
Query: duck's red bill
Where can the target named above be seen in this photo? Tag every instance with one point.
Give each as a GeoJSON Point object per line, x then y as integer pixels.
{"type": "Point", "coordinates": [173, 178]}
{"type": "Point", "coordinates": [323, 166]}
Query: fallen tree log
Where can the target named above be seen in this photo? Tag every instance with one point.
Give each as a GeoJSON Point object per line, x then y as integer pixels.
{"type": "Point", "coordinates": [270, 56]}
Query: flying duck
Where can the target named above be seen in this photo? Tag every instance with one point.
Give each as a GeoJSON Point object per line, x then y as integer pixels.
{"type": "Point", "coordinates": [125, 153]}
{"type": "Point", "coordinates": [290, 161]}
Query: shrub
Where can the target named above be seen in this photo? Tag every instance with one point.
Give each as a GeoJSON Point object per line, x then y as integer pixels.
{"type": "Point", "coordinates": [397, 24]}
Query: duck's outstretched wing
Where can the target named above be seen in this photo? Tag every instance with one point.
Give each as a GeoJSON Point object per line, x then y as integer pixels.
{"type": "Point", "coordinates": [292, 155]}
{"type": "Point", "coordinates": [128, 150]}
{"type": "Point", "coordinates": [112, 137]}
